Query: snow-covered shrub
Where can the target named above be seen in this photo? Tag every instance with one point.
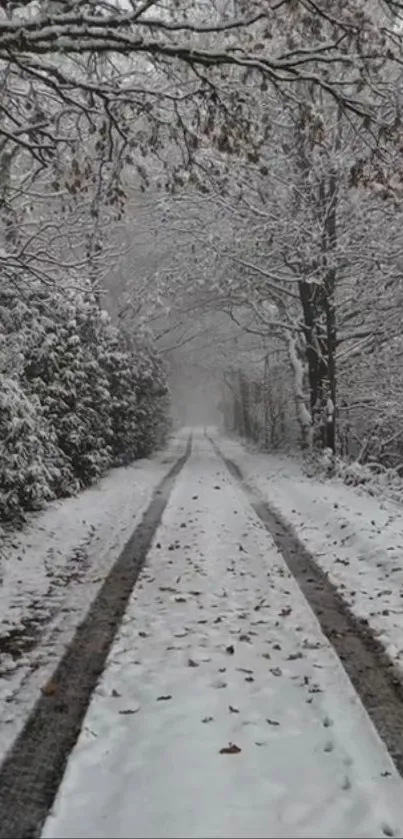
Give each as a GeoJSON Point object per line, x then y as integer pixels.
{"type": "Point", "coordinates": [76, 396]}
{"type": "Point", "coordinates": [117, 364]}
{"type": "Point", "coordinates": [61, 367]}
{"type": "Point", "coordinates": [28, 457]}
{"type": "Point", "coordinates": [152, 400]}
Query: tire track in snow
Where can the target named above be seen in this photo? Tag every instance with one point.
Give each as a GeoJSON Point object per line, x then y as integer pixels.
{"type": "Point", "coordinates": [32, 770]}
{"type": "Point", "coordinates": [361, 653]}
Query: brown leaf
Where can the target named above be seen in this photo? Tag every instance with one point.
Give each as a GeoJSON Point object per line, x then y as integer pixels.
{"type": "Point", "coordinates": [115, 693]}
{"type": "Point", "coordinates": [164, 698]}
{"type": "Point", "coordinates": [49, 689]}
{"type": "Point", "coordinates": [231, 749]}
{"type": "Point", "coordinates": [230, 649]}
{"type": "Point", "coordinates": [277, 671]}
{"type": "Point", "coordinates": [207, 719]}
{"type": "Point", "coordinates": [272, 722]}
{"type": "Point", "coordinates": [285, 612]}
{"type": "Point", "coordinates": [192, 663]}
{"type": "Point", "coordinates": [233, 710]}
{"type": "Point", "coordinates": [249, 679]}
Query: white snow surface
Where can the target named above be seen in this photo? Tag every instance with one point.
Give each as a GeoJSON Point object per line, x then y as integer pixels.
{"type": "Point", "coordinates": [355, 538]}
{"type": "Point", "coordinates": [218, 646]}
{"type": "Point", "coordinates": [51, 571]}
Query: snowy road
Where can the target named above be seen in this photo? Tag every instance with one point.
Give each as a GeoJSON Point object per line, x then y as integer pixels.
{"type": "Point", "coordinates": [223, 711]}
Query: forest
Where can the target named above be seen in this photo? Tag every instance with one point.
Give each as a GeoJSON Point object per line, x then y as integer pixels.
{"type": "Point", "coordinates": [198, 190]}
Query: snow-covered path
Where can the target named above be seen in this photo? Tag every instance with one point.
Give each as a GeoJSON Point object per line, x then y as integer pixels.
{"type": "Point", "coordinates": [52, 570]}
{"type": "Point", "coordinates": [223, 711]}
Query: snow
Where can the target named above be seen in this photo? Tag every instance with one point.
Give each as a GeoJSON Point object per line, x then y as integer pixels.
{"type": "Point", "coordinates": [218, 646]}
{"type": "Point", "coordinates": [52, 570]}
{"type": "Point", "coordinates": [355, 538]}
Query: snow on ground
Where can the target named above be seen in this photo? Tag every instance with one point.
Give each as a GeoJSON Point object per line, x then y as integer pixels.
{"type": "Point", "coordinates": [356, 539]}
{"type": "Point", "coordinates": [223, 711]}
{"type": "Point", "coordinates": [52, 570]}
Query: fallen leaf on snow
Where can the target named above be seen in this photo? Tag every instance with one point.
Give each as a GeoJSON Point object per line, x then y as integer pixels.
{"type": "Point", "coordinates": [164, 698]}
{"type": "Point", "coordinates": [231, 749]}
{"type": "Point", "coordinates": [129, 711]}
{"type": "Point", "coordinates": [233, 710]}
{"type": "Point", "coordinates": [115, 693]}
{"type": "Point", "coordinates": [49, 689]}
{"type": "Point", "coordinates": [277, 671]}
{"type": "Point", "coordinates": [249, 679]}
{"type": "Point", "coordinates": [207, 719]}
{"type": "Point", "coordinates": [192, 663]}
{"type": "Point", "coordinates": [244, 670]}
{"type": "Point", "coordinates": [272, 722]}
{"type": "Point", "coordinates": [230, 649]}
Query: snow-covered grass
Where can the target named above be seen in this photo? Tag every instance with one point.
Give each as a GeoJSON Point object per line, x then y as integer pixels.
{"type": "Point", "coordinates": [52, 570]}
{"type": "Point", "coordinates": [355, 538]}
{"type": "Point", "coordinates": [223, 710]}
